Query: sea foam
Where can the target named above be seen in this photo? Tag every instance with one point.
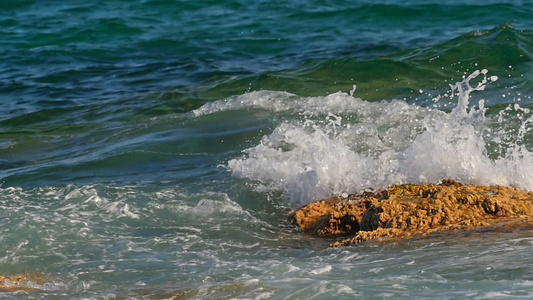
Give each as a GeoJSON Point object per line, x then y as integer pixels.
{"type": "Point", "coordinates": [341, 144]}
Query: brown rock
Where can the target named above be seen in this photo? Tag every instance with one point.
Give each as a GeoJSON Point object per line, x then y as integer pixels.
{"type": "Point", "coordinates": [20, 282]}
{"type": "Point", "coordinates": [414, 210]}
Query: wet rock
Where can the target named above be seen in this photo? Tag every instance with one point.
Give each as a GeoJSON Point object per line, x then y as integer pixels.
{"type": "Point", "coordinates": [19, 282]}
{"type": "Point", "coordinates": [404, 211]}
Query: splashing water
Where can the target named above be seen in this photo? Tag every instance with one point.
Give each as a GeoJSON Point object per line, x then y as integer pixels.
{"type": "Point", "coordinates": [454, 148]}
{"type": "Point", "coordinates": [341, 144]}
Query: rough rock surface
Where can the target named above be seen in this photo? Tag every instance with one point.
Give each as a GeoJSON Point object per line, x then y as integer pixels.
{"type": "Point", "coordinates": [404, 211]}
{"type": "Point", "coordinates": [19, 282]}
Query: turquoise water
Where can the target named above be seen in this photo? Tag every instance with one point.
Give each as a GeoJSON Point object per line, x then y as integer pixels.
{"type": "Point", "coordinates": [152, 149]}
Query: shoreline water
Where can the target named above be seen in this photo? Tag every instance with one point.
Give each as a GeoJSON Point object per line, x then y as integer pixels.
{"type": "Point", "coordinates": [154, 148]}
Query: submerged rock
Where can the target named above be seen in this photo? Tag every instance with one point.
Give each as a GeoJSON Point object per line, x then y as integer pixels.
{"type": "Point", "coordinates": [404, 211]}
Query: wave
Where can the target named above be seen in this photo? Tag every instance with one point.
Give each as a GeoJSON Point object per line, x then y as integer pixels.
{"type": "Point", "coordinates": [504, 50]}
{"type": "Point", "coordinates": [341, 144]}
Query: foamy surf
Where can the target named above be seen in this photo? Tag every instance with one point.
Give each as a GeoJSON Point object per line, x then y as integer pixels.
{"type": "Point", "coordinates": [342, 144]}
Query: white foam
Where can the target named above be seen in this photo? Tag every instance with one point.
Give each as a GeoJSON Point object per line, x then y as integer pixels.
{"type": "Point", "coordinates": [279, 102]}
{"type": "Point", "coordinates": [340, 144]}
{"type": "Point", "coordinates": [322, 270]}
{"type": "Point", "coordinates": [209, 207]}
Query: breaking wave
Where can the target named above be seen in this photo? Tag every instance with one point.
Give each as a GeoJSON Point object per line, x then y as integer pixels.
{"type": "Point", "coordinates": [342, 144]}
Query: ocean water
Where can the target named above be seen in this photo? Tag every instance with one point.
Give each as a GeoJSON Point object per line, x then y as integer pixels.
{"type": "Point", "coordinates": [153, 149]}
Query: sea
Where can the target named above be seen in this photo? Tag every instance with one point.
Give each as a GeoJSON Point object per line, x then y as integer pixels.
{"type": "Point", "coordinates": [152, 149]}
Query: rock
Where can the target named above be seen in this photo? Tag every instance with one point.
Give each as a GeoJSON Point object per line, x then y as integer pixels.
{"type": "Point", "coordinates": [404, 211]}
{"type": "Point", "coordinates": [20, 282]}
